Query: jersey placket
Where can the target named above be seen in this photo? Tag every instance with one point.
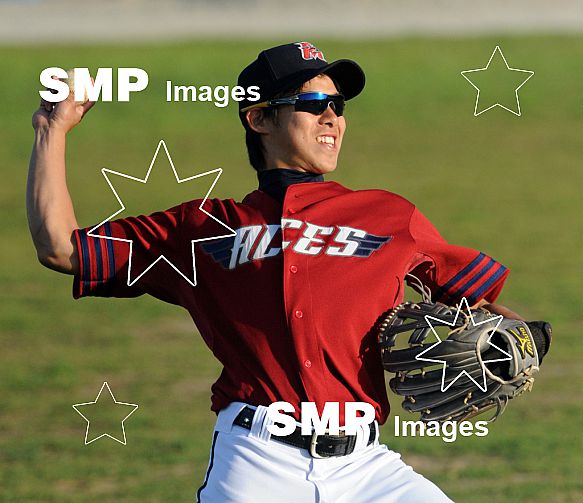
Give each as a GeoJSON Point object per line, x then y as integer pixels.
{"type": "Point", "coordinates": [298, 300]}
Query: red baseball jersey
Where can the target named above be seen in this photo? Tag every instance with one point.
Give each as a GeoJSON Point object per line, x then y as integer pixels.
{"type": "Point", "coordinates": [288, 303]}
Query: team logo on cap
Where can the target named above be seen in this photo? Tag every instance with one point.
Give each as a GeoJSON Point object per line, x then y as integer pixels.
{"type": "Point", "coordinates": [309, 51]}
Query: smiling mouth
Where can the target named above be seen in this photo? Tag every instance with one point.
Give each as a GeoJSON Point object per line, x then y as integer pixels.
{"type": "Point", "coordinates": [329, 141]}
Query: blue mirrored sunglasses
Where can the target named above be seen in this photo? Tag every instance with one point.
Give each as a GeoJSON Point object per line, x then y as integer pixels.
{"type": "Point", "coordinates": [314, 103]}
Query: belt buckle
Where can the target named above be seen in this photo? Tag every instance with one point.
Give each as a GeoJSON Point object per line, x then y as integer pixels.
{"type": "Point", "coordinates": [313, 444]}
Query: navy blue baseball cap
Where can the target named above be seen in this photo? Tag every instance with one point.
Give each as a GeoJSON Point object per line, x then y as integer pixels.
{"type": "Point", "coordinates": [290, 65]}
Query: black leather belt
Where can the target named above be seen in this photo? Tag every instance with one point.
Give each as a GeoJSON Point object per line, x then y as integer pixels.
{"type": "Point", "coordinates": [319, 446]}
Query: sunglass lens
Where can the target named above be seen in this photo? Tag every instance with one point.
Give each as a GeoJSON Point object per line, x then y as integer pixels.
{"type": "Point", "coordinates": [318, 107]}
{"type": "Point", "coordinates": [338, 106]}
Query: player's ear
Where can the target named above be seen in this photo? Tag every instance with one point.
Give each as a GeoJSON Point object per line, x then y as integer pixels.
{"type": "Point", "coordinates": [257, 121]}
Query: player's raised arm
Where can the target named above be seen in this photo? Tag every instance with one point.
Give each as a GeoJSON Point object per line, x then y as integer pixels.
{"type": "Point", "coordinates": [51, 217]}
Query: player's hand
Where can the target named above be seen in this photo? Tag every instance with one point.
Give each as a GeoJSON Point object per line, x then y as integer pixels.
{"type": "Point", "coordinates": [503, 310]}
{"type": "Point", "coordinates": [498, 309]}
{"type": "Point", "coordinates": [62, 116]}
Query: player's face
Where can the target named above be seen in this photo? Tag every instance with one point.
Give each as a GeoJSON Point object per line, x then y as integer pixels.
{"type": "Point", "coordinates": [304, 141]}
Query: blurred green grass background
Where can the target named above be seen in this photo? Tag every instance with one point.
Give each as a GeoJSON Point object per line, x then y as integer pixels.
{"type": "Point", "coordinates": [504, 184]}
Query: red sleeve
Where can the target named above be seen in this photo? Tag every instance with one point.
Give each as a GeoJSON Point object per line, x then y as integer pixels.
{"type": "Point", "coordinates": [453, 272]}
{"type": "Point", "coordinates": [107, 268]}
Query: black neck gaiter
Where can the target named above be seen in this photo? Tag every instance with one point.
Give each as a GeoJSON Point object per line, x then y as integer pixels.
{"type": "Point", "coordinates": [276, 181]}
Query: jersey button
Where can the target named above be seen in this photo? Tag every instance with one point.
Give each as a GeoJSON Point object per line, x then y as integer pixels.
{"type": "Point", "coordinates": [293, 268]}
{"type": "Point", "coordinates": [299, 314]}
{"type": "Point", "coordinates": [307, 364]}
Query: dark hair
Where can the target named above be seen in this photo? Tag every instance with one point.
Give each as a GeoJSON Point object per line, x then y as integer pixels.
{"type": "Point", "coordinates": [255, 147]}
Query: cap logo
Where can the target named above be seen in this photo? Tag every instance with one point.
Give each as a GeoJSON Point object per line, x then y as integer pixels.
{"type": "Point", "coordinates": [309, 51]}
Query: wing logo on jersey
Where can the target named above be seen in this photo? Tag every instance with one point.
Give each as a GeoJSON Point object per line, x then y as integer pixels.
{"type": "Point", "coordinates": [309, 51]}
{"type": "Point", "coordinates": [257, 242]}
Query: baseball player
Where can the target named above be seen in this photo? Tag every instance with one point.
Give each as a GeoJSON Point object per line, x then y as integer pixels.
{"type": "Point", "coordinates": [287, 304]}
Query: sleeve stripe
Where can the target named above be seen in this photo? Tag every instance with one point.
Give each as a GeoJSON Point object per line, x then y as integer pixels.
{"type": "Point", "coordinates": [85, 257]}
{"type": "Point", "coordinates": [487, 284]}
{"type": "Point", "coordinates": [478, 281]}
{"type": "Point", "coordinates": [98, 259]}
{"type": "Point", "coordinates": [459, 276]}
{"type": "Point", "coordinates": [78, 280]}
{"type": "Point", "coordinates": [463, 289]}
{"type": "Point", "coordinates": [110, 254]}
{"type": "Point", "coordinates": [96, 262]}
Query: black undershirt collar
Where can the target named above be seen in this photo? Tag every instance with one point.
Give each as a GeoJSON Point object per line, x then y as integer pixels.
{"type": "Point", "coordinates": [276, 181]}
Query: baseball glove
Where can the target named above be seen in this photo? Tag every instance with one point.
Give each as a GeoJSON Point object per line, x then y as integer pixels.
{"type": "Point", "coordinates": [483, 362]}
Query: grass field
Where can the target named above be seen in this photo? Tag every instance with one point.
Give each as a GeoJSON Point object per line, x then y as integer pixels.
{"type": "Point", "coordinates": [504, 184]}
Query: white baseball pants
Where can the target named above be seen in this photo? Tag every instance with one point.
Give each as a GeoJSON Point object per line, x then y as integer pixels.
{"type": "Point", "coordinates": [246, 466]}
